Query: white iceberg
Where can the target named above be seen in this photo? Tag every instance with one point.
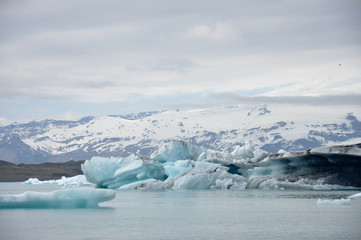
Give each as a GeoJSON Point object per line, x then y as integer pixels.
{"type": "Point", "coordinates": [65, 198]}
{"type": "Point", "coordinates": [337, 202]}
{"type": "Point", "coordinates": [245, 151]}
{"type": "Point", "coordinates": [66, 182]}
{"type": "Point", "coordinates": [37, 181]}
{"type": "Point", "coordinates": [249, 154]}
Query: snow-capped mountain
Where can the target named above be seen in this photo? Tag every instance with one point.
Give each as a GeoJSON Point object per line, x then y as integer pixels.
{"type": "Point", "coordinates": [270, 128]}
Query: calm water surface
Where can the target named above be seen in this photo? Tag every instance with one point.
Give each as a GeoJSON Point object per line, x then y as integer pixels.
{"type": "Point", "coordinates": [212, 214]}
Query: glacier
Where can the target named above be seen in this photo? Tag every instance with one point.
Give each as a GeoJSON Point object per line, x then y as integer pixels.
{"type": "Point", "coordinates": [64, 198]}
{"type": "Point", "coordinates": [180, 165]}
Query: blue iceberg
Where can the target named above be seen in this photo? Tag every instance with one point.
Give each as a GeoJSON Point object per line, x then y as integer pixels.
{"type": "Point", "coordinates": [116, 172]}
{"type": "Point", "coordinates": [176, 165]}
{"type": "Point", "coordinates": [65, 198]}
{"type": "Point", "coordinates": [180, 165]}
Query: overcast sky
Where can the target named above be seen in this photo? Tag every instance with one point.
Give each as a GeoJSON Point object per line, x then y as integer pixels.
{"type": "Point", "coordinates": [66, 59]}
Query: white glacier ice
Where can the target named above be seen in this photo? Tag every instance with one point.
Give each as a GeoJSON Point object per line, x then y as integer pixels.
{"type": "Point", "coordinates": [65, 198]}
{"type": "Point", "coordinates": [144, 184]}
{"type": "Point", "coordinates": [76, 181]}
{"type": "Point", "coordinates": [66, 182]}
{"type": "Point", "coordinates": [337, 202]}
{"type": "Point", "coordinates": [212, 156]}
{"type": "Point", "coordinates": [249, 153]}
{"type": "Point", "coordinates": [245, 151]}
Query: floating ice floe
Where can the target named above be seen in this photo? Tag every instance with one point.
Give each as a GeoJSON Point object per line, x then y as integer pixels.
{"type": "Point", "coordinates": [66, 182]}
{"type": "Point", "coordinates": [65, 198]}
{"type": "Point", "coordinates": [355, 196]}
{"type": "Point", "coordinates": [339, 202]}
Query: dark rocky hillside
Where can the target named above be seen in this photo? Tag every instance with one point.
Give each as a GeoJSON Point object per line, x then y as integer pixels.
{"type": "Point", "coordinates": [10, 172]}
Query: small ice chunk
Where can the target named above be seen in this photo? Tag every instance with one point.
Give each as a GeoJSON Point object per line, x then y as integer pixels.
{"type": "Point", "coordinates": [65, 198]}
{"type": "Point", "coordinates": [66, 182]}
{"type": "Point", "coordinates": [37, 181]}
{"type": "Point", "coordinates": [340, 202]}
{"type": "Point", "coordinates": [355, 196]}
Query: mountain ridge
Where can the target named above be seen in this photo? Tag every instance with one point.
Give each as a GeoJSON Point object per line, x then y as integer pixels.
{"type": "Point", "coordinates": [270, 128]}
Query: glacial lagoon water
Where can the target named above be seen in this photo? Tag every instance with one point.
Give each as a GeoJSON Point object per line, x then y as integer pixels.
{"type": "Point", "coordinates": [175, 214]}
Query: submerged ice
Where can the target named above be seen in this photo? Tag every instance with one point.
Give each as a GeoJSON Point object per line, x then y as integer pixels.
{"type": "Point", "coordinates": [180, 165]}
{"type": "Point", "coordinates": [65, 198]}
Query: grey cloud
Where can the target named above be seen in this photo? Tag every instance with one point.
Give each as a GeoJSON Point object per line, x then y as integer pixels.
{"type": "Point", "coordinates": [46, 43]}
{"type": "Point", "coordinates": [289, 24]}
{"type": "Point", "coordinates": [93, 84]}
